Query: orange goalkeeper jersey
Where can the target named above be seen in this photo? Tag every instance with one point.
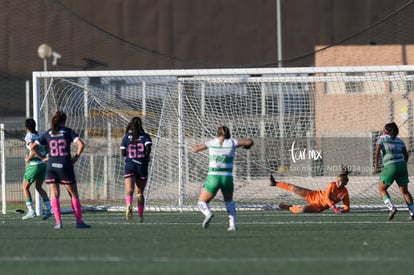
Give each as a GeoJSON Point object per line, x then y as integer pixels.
{"type": "Point", "coordinates": [323, 199]}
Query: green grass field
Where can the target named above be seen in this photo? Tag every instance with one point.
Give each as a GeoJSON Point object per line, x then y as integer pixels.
{"type": "Point", "coordinates": [267, 242]}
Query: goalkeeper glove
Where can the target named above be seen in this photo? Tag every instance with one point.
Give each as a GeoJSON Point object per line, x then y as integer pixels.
{"type": "Point", "coordinates": [335, 209]}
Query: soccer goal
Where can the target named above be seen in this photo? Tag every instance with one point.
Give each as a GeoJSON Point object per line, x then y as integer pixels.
{"type": "Point", "coordinates": [306, 123]}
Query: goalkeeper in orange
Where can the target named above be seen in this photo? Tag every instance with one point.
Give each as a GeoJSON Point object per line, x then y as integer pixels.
{"type": "Point", "coordinates": [319, 200]}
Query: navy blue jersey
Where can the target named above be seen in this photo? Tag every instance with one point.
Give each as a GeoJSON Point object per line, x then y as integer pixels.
{"type": "Point", "coordinates": [137, 154]}
{"type": "Point", "coordinates": [59, 165]}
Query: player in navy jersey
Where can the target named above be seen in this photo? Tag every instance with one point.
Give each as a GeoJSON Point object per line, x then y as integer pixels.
{"type": "Point", "coordinates": [60, 168]}
{"type": "Point", "coordinates": [136, 147]}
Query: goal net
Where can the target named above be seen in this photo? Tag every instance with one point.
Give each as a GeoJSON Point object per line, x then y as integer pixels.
{"type": "Point", "coordinates": [306, 123]}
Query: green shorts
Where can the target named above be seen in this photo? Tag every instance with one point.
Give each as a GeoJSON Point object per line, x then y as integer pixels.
{"type": "Point", "coordinates": [35, 173]}
{"type": "Point", "coordinates": [395, 172]}
{"type": "Point", "coordinates": [213, 183]}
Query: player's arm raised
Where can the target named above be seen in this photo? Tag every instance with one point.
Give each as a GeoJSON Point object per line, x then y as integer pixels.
{"type": "Point", "coordinates": [199, 147]}
{"type": "Point", "coordinates": [246, 143]}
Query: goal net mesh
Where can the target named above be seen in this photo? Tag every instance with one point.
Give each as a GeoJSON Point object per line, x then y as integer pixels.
{"type": "Point", "coordinates": [306, 123]}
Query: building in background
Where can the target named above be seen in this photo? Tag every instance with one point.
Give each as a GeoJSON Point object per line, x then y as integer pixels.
{"type": "Point", "coordinates": [148, 34]}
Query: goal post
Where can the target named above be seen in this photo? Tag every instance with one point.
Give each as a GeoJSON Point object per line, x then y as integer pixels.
{"type": "Point", "coordinates": [306, 123]}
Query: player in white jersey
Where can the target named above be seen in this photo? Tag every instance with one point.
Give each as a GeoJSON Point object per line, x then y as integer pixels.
{"type": "Point", "coordinates": [220, 173]}
{"type": "Point", "coordinates": [395, 157]}
{"type": "Point", "coordinates": [35, 173]}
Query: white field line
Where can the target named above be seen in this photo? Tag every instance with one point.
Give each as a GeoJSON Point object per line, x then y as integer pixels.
{"type": "Point", "coordinates": [276, 259]}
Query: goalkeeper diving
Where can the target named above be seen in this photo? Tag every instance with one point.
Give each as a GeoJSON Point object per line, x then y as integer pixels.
{"type": "Point", "coordinates": [319, 200]}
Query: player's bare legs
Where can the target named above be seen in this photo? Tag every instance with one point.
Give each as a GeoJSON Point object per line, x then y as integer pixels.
{"type": "Point", "coordinates": [406, 195]}
{"type": "Point", "coordinates": [45, 197]}
{"type": "Point", "coordinates": [129, 190]}
{"type": "Point", "coordinates": [55, 195]}
{"type": "Point", "coordinates": [40, 189]}
{"type": "Point", "coordinates": [289, 187]}
{"type": "Point", "coordinates": [140, 184]}
{"type": "Point", "coordinates": [203, 204]}
{"type": "Point", "coordinates": [408, 200]}
{"type": "Point", "coordinates": [231, 210]}
{"type": "Point", "coordinates": [382, 188]}
{"type": "Point", "coordinates": [28, 200]}
{"type": "Point", "coordinates": [26, 190]}
{"type": "Point", "coordinates": [72, 190]}
{"type": "Point", "coordinates": [296, 209]}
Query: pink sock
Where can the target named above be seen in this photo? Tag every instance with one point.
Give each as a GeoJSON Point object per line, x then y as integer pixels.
{"type": "Point", "coordinates": [140, 210]}
{"type": "Point", "coordinates": [56, 210]}
{"type": "Point", "coordinates": [128, 200]}
{"type": "Point", "coordinates": [77, 209]}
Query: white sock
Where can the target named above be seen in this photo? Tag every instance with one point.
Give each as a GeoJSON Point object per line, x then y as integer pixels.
{"type": "Point", "coordinates": [204, 208]}
{"type": "Point", "coordinates": [388, 203]}
{"type": "Point", "coordinates": [29, 206]}
{"type": "Point", "coordinates": [231, 209]}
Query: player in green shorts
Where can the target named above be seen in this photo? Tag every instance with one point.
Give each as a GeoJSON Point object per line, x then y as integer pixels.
{"type": "Point", "coordinates": [394, 158]}
{"type": "Point", "coordinates": [35, 173]}
{"type": "Point", "coordinates": [220, 173]}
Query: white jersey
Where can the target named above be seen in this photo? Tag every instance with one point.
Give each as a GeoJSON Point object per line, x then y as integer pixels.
{"type": "Point", "coordinates": [391, 149]}
{"type": "Point", "coordinates": [29, 138]}
{"type": "Point", "coordinates": [221, 156]}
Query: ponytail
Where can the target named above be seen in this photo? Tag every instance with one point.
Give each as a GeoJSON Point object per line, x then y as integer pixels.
{"type": "Point", "coordinates": [30, 124]}
{"type": "Point", "coordinates": [58, 120]}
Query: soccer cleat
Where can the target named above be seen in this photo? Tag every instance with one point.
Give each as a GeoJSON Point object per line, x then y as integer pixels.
{"type": "Point", "coordinates": [232, 228]}
{"type": "Point", "coordinates": [140, 219]}
{"type": "Point", "coordinates": [272, 180]}
{"type": "Point", "coordinates": [82, 225]}
{"type": "Point", "coordinates": [47, 214]}
{"type": "Point", "coordinates": [410, 218]}
{"type": "Point", "coordinates": [29, 215]}
{"type": "Point", "coordinates": [392, 213]}
{"type": "Point", "coordinates": [58, 226]}
{"type": "Point", "coordinates": [207, 220]}
{"type": "Point", "coordinates": [128, 212]}
{"type": "Point", "coordinates": [283, 206]}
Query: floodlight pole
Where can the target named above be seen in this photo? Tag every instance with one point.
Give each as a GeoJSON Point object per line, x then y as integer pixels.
{"type": "Point", "coordinates": [44, 51]}
{"type": "Point", "coordinates": [279, 33]}
{"type": "Point", "coordinates": [281, 100]}
{"type": "Point", "coordinates": [45, 64]}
